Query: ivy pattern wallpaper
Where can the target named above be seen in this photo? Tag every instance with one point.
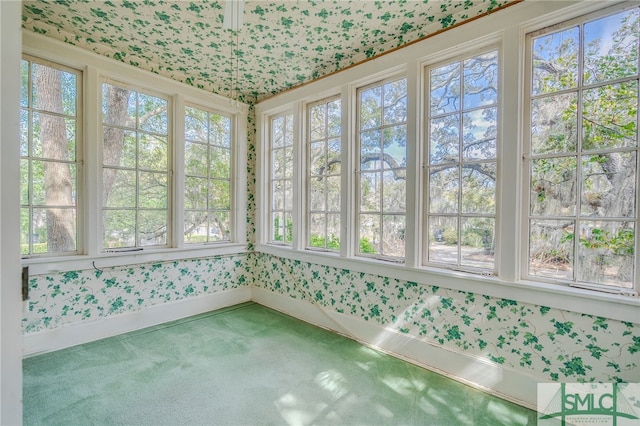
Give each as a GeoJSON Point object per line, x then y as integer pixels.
{"type": "Point", "coordinates": [549, 344]}
{"type": "Point", "coordinates": [56, 300]}
{"type": "Point", "coordinates": [281, 44]}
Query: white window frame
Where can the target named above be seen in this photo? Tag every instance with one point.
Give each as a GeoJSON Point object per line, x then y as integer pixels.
{"type": "Point", "coordinates": [95, 69]}
{"type": "Point", "coordinates": [446, 58]}
{"type": "Point", "coordinates": [169, 170]}
{"type": "Point", "coordinates": [358, 167]}
{"type": "Point", "coordinates": [233, 167]}
{"type": "Point", "coordinates": [563, 22]}
{"type": "Point", "coordinates": [307, 151]}
{"type": "Point", "coordinates": [506, 30]}
{"type": "Point", "coordinates": [79, 154]}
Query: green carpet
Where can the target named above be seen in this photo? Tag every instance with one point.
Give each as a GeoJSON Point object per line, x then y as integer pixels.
{"type": "Point", "coordinates": [246, 365]}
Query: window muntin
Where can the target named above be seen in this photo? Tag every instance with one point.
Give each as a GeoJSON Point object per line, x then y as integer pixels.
{"type": "Point", "coordinates": [50, 141]}
{"type": "Point", "coordinates": [583, 151]}
{"type": "Point", "coordinates": [208, 187]}
{"type": "Point", "coordinates": [461, 164]}
{"type": "Point", "coordinates": [382, 159]}
{"type": "Point", "coordinates": [135, 168]}
{"type": "Point", "coordinates": [281, 179]}
{"type": "Point", "coordinates": [323, 174]}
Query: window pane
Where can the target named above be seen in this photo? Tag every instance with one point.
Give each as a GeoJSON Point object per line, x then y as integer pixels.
{"type": "Point", "coordinates": [481, 80]}
{"type": "Point", "coordinates": [153, 190]}
{"type": "Point", "coordinates": [371, 108]}
{"type": "Point", "coordinates": [394, 192]}
{"type": "Point", "coordinates": [317, 194]}
{"type": "Point", "coordinates": [317, 159]}
{"type": "Point", "coordinates": [152, 114]}
{"type": "Point", "coordinates": [479, 188]}
{"type": "Point", "coordinates": [477, 242]}
{"type": "Point", "coordinates": [194, 155]}
{"type": "Point", "coordinates": [120, 148]}
{"type": "Point", "coordinates": [334, 111]}
{"type": "Point", "coordinates": [480, 132]}
{"type": "Point", "coordinates": [277, 195]}
{"type": "Point", "coordinates": [220, 130]}
{"type": "Point", "coordinates": [122, 188]}
{"type": "Point", "coordinates": [195, 227]}
{"type": "Point", "coordinates": [443, 240]}
{"type": "Point", "coordinates": [444, 136]}
{"type": "Point", "coordinates": [371, 150]}
{"type": "Point", "coordinates": [220, 194]}
{"type": "Point", "coordinates": [54, 137]}
{"type": "Point", "coordinates": [606, 253]}
{"type": "Point", "coordinates": [611, 47]}
{"type": "Point", "coordinates": [395, 153]}
{"type": "Point", "coordinates": [24, 182]}
{"type": "Point", "coordinates": [220, 225]}
{"type": "Point", "coordinates": [609, 185]}
{"type": "Point", "coordinates": [553, 187]}
{"type": "Point", "coordinates": [369, 226]}
{"type": "Point", "coordinates": [444, 187]}
{"type": "Point", "coordinates": [395, 102]}
{"type": "Point", "coordinates": [554, 124]}
{"type": "Point", "coordinates": [551, 248]}
{"type": "Point", "coordinates": [119, 228]}
{"type": "Point", "coordinates": [24, 133]}
{"type": "Point", "coordinates": [317, 230]}
{"type": "Point", "coordinates": [393, 232]}
{"type": "Point", "coordinates": [609, 116]}
{"type": "Point", "coordinates": [370, 192]}
{"type": "Point", "coordinates": [61, 98]}
{"type": "Point", "coordinates": [333, 231]}
{"type": "Point", "coordinates": [317, 119]}
{"type": "Point", "coordinates": [26, 236]}
{"type": "Point", "coordinates": [555, 61]}
{"type": "Point", "coordinates": [153, 152]}
{"type": "Point", "coordinates": [220, 162]}
{"type": "Point", "coordinates": [152, 225]}
{"type": "Point", "coordinates": [196, 125]}
{"type": "Point", "coordinates": [333, 193]}
{"type": "Point", "coordinates": [334, 156]}
{"type": "Point", "coordinates": [195, 192]}
{"type": "Point", "coordinates": [118, 105]}
{"type": "Point", "coordinates": [24, 83]}
{"type": "Point", "coordinates": [444, 91]}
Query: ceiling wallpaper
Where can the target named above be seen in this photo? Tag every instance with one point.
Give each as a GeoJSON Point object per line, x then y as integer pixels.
{"type": "Point", "coordinates": [281, 44]}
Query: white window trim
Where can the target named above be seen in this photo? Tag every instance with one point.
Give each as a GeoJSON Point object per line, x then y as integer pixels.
{"type": "Point", "coordinates": [563, 20]}
{"type": "Point", "coordinates": [95, 69]}
{"type": "Point", "coordinates": [507, 30]}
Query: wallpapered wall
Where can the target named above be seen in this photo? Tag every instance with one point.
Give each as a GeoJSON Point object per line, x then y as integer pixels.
{"type": "Point", "coordinates": [546, 343]}
{"type": "Point", "coordinates": [65, 298]}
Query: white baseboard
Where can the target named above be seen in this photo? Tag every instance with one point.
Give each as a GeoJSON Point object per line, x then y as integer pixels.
{"type": "Point", "coordinates": [84, 332]}
{"type": "Point", "coordinates": [497, 380]}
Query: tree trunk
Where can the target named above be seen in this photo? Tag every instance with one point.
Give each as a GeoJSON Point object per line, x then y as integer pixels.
{"type": "Point", "coordinates": [117, 100]}
{"type": "Point", "coordinates": [57, 176]}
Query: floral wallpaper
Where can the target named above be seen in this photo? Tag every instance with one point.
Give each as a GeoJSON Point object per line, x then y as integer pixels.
{"type": "Point", "coordinates": [280, 45]}
{"type": "Point", "coordinates": [59, 299]}
{"type": "Point", "coordinates": [549, 344]}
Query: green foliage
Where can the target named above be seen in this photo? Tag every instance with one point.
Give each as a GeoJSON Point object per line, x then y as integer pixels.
{"type": "Point", "coordinates": [331, 242]}
{"type": "Point", "coordinates": [367, 247]}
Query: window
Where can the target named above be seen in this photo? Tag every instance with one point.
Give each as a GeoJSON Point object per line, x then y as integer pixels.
{"type": "Point", "coordinates": [50, 157]}
{"type": "Point", "coordinates": [323, 174]}
{"type": "Point", "coordinates": [207, 182]}
{"type": "Point", "coordinates": [135, 168]}
{"type": "Point", "coordinates": [583, 151]}
{"type": "Point", "coordinates": [281, 157]}
{"type": "Point", "coordinates": [382, 124]}
{"type": "Point", "coordinates": [460, 167]}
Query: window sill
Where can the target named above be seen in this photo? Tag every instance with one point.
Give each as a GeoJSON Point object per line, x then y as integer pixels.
{"type": "Point", "coordinates": [607, 305]}
{"type": "Point", "coordinates": [54, 264]}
